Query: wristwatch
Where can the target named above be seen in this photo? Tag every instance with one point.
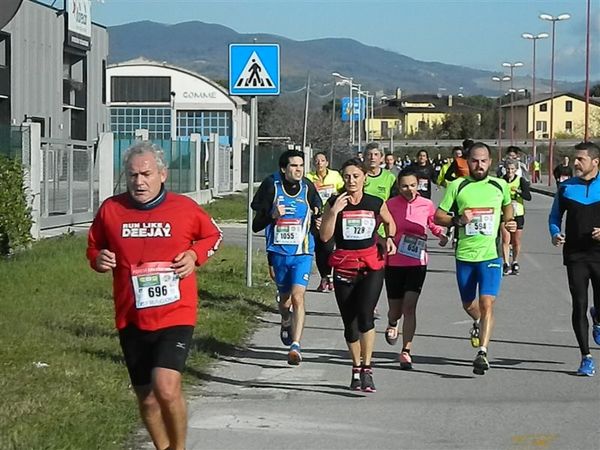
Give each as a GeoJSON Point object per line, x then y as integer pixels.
{"type": "Point", "coordinates": [456, 221]}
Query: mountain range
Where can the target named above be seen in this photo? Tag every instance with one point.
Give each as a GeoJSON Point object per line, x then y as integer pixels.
{"type": "Point", "coordinates": [203, 47]}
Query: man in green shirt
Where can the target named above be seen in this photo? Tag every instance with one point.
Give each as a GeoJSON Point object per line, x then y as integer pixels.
{"type": "Point", "coordinates": [475, 205]}
{"type": "Point", "coordinates": [380, 182]}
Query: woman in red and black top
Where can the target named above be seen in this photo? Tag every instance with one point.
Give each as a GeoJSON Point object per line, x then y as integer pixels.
{"type": "Point", "coordinates": [352, 219]}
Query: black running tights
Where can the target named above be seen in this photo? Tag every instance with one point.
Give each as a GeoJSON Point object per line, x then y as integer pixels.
{"type": "Point", "coordinates": [580, 274]}
{"type": "Point", "coordinates": [357, 300]}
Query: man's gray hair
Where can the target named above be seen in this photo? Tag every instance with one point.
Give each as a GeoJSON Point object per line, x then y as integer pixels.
{"type": "Point", "coordinates": [142, 147]}
{"type": "Point", "coordinates": [511, 162]}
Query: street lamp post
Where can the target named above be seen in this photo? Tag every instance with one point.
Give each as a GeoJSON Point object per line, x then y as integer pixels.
{"type": "Point", "coordinates": [348, 81]}
{"type": "Point", "coordinates": [332, 119]}
{"type": "Point", "coordinates": [552, 19]}
{"type": "Point", "coordinates": [358, 94]}
{"type": "Point", "coordinates": [512, 66]}
{"type": "Point", "coordinates": [372, 97]}
{"type": "Point", "coordinates": [586, 133]}
{"type": "Point", "coordinates": [500, 80]}
{"type": "Point", "coordinates": [534, 38]}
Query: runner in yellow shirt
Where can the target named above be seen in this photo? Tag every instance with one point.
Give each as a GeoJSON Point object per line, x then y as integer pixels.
{"type": "Point", "coordinates": [328, 182]}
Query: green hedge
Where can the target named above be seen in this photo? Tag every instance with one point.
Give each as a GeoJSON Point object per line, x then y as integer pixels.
{"type": "Point", "coordinates": [15, 215]}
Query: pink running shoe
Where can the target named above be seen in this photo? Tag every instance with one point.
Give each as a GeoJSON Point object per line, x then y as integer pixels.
{"type": "Point", "coordinates": [405, 361]}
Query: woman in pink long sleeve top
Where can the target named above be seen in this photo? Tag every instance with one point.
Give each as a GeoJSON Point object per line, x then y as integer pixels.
{"type": "Point", "coordinates": [406, 270]}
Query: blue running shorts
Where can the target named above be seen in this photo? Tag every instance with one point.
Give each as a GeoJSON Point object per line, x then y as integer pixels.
{"type": "Point", "coordinates": [485, 274]}
{"type": "Point", "coordinates": [290, 270]}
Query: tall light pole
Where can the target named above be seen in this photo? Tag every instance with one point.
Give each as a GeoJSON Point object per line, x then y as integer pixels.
{"type": "Point", "coordinates": [305, 127]}
{"type": "Point", "coordinates": [332, 119]}
{"type": "Point", "coordinates": [370, 111]}
{"type": "Point", "coordinates": [586, 133]}
{"type": "Point", "coordinates": [552, 19]}
{"type": "Point", "coordinates": [512, 66]}
{"type": "Point", "coordinates": [534, 38]}
{"type": "Point", "coordinates": [358, 94]}
{"type": "Point", "coordinates": [348, 81]}
{"type": "Point", "coordinates": [500, 80]}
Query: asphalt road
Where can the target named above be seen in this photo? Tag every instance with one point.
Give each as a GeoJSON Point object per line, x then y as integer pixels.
{"type": "Point", "coordinates": [529, 399]}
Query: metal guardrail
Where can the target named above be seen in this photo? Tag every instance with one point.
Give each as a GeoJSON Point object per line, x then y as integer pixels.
{"type": "Point", "coordinates": [527, 143]}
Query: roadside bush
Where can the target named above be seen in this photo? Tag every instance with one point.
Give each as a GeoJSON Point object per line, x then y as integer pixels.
{"type": "Point", "coordinates": [15, 215]}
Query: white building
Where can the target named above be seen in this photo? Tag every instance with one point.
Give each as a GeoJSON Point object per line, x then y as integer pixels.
{"type": "Point", "coordinates": [172, 104]}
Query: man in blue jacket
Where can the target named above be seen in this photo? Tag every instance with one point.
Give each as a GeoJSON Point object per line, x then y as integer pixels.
{"type": "Point", "coordinates": [579, 198]}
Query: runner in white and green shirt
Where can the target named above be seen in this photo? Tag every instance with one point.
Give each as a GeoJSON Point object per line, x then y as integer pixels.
{"type": "Point", "coordinates": [476, 205]}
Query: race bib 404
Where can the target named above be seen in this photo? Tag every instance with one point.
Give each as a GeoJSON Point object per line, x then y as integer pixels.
{"type": "Point", "coordinates": [154, 284]}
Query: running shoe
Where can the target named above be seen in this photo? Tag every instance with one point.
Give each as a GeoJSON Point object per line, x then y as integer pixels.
{"type": "Point", "coordinates": [405, 361]}
{"type": "Point", "coordinates": [294, 355]}
{"type": "Point", "coordinates": [515, 268]}
{"type": "Point", "coordinates": [595, 326]}
{"type": "Point", "coordinates": [480, 363]}
{"type": "Point", "coordinates": [323, 286]}
{"type": "Point", "coordinates": [330, 284]}
{"type": "Point", "coordinates": [366, 380]}
{"type": "Point", "coordinates": [474, 333]}
{"type": "Point", "coordinates": [506, 269]}
{"type": "Point", "coordinates": [285, 333]}
{"type": "Point", "coordinates": [391, 334]}
{"type": "Point", "coordinates": [355, 383]}
{"type": "Point", "coordinates": [587, 367]}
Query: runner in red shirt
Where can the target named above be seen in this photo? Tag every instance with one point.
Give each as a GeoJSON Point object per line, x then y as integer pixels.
{"type": "Point", "coordinates": [152, 239]}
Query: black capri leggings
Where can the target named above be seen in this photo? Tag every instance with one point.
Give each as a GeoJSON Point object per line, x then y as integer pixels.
{"type": "Point", "coordinates": [580, 274]}
{"type": "Point", "coordinates": [356, 299]}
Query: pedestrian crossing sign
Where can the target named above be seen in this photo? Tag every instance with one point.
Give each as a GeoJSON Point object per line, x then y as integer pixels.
{"type": "Point", "coordinates": [254, 69]}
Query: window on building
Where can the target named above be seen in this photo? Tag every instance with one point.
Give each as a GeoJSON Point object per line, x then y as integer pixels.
{"type": "Point", "coordinates": [569, 106]}
{"type": "Point", "coordinates": [4, 50]}
{"type": "Point", "coordinates": [74, 79]}
{"type": "Point", "coordinates": [78, 125]}
{"type": "Point", "coordinates": [569, 126]}
{"type": "Point", "coordinates": [204, 123]}
{"type": "Point", "coordinates": [157, 120]}
{"type": "Point", "coordinates": [544, 107]}
{"type": "Point", "coordinates": [384, 128]}
{"type": "Point", "coordinates": [140, 89]}
{"type": "Point", "coordinates": [104, 82]}
{"type": "Point", "coordinates": [4, 78]}
{"type": "Point", "coordinates": [541, 125]}
{"type": "Point", "coordinates": [75, 92]}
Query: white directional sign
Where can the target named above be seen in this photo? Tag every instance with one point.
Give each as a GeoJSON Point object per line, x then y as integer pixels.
{"type": "Point", "coordinates": [254, 69]}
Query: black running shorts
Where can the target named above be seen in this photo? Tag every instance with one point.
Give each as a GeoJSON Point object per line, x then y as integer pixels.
{"type": "Point", "coordinates": [520, 222]}
{"type": "Point", "coordinates": [145, 350]}
{"type": "Point", "coordinates": [399, 280]}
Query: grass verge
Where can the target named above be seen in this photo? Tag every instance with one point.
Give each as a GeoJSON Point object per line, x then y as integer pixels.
{"type": "Point", "coordinates": [230, 208]}
{"type": "Point", "coordinates": [63, 381]}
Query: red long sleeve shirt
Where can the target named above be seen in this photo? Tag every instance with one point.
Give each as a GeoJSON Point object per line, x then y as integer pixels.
{"type": "Point", "coordinates": [146, 236]}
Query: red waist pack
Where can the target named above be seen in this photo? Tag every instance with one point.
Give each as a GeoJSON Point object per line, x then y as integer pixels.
{"type": "Point", "coordinates": [356, 260]}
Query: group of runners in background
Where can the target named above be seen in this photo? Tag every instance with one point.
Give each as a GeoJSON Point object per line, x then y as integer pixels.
{"type": "Point", "coordinates": [367, 225]}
